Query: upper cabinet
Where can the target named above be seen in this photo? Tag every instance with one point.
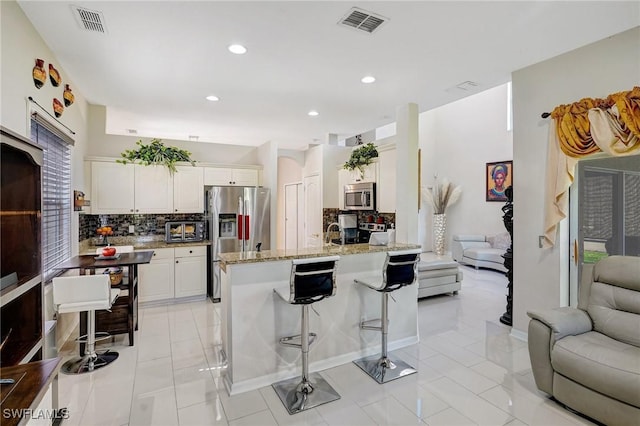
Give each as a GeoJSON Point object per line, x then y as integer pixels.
{"type": "Point", "coordinates": [188, 185]}
{"type": "Point", "coordinates": [127, 188]}
{"type": "Point", "coordinates": [112, 188]}
{"type": "Point", "coordinates": [153, 188]}
{"type": "Point", "coordinates": [218, 176]}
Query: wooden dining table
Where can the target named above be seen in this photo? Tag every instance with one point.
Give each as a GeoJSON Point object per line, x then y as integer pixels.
{"type": "Point", "coordinates": [123, 315]}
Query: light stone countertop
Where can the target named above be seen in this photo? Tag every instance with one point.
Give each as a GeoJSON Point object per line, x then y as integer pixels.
{"type": "Point", "coordinates": [277, 255]}
{"type": "Point", "coordinates": [138, 242]}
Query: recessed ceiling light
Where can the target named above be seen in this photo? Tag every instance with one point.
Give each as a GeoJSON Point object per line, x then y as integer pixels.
{"type": "Point", "coordinates": [212, 98]}
{"type": "Point", "coordinates": [238, 49]}
{"type": "Point", "coordinates": [313, 113]}
{"type": "Point", "coordinates": [368, 79]}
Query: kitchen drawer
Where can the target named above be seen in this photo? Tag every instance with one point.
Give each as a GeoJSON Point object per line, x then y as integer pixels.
{"type": "Point", "coordinates": [191, 251]}
{"type": "Point", "coordinates": [162, 253]}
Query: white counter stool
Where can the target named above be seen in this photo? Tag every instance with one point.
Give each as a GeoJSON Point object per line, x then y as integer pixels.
{"type": "Point", "coordinates": [85, 293]}
{"type": "Point", "coordinates": [399, 270]}
{"type": "Point", "coordinates": [311, 280]}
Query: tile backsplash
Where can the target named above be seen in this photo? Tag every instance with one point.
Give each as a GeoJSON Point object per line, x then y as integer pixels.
{"type": "Point", "coordinates": [331, 215]}
{"type": "Point", "coordinates": [145, 224]}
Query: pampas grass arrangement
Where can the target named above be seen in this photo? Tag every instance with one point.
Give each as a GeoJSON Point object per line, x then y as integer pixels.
{"type": "Point", "coordinates": [442, 195]}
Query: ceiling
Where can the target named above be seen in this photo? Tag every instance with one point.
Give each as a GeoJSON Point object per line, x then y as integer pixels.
{"type": "Point", "coordinates": [157, 61]}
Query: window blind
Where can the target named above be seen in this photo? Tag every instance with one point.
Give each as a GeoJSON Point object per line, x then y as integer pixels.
{"type": "Point", "coordinates": [56, 194]}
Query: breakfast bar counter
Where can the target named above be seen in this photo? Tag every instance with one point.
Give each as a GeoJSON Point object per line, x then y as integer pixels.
{"type": "Point", "coordinates": [254, 318]}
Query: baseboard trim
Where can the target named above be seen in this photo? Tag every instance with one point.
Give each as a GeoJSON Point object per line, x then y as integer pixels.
{"type": "Point", "coordinates": [520, 335]}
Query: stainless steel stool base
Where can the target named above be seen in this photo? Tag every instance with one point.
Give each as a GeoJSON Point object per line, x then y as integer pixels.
{"type": "Point", "coordinates": [384, 370]}
{"type": "Point", "coordinates": [88, 363]}
{"type": "Point", "coordinates": [298, 396]}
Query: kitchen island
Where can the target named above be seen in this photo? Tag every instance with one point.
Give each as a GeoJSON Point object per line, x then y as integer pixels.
{"type": "Point", "coordinates": [254, 318]}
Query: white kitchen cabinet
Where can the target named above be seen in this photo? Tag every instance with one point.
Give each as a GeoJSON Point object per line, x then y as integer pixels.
{"type": "Point", "coordinates": [130, 188]}
{"type": "Point", "coordinates": [156, 279]}
{"type": "Point", "coordinates": [190, 271]}
{"type": "Point", "coordinates": [219, 176]}
{"type": "Point", "coordinates": [112, 188]}
{"type": "Point", "coordinates": [386, 188]}
{"type": "Point", "coordinates": [188, 186]}
{"type": "Point", "coordinates": [153, 188]}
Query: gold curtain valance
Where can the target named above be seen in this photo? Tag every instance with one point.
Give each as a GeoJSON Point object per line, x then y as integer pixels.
{"type": "Point", "coordinates": [610, 125]}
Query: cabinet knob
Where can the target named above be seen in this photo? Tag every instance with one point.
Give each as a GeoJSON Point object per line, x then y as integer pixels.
{"type": "Point", "coordinates": [137, 210]}
{"type": "Point", "coordinates": [177, 261]}
{"type": "Point", "coordinates": [176, 209]}
{"type": "Point", "coordinates": [131, 210]}
{"type": "Point", "coordinates": [154, 254]}
{"type": "Point", "coordinates": [190, 251]}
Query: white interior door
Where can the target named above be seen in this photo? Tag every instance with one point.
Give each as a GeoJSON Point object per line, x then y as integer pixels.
{"type": "Point", "coordinates": [312, 211]}
{"type": "Point", "coordinates": [291, 218]}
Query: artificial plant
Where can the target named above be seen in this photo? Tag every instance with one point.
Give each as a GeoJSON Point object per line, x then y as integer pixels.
{"type": "Point", "coordinates": [361, 157]}
{"type": "Point", "coordinates": [156, 153]}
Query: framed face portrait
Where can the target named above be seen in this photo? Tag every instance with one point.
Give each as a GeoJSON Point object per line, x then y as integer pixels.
{"type": "Point", "coordinates": [499, 176]}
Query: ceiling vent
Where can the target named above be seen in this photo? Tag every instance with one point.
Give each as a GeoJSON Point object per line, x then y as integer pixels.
{"type": "Point", "coordinates": [89, 20]}
{"type": "Point", "coordinates": [360, 19]}
{"type": "Point", "coordinates": [467, 85]}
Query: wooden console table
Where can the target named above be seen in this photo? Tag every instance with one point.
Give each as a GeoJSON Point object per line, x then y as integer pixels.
{"type": "Point", "coordinates": [123, 317]}
{"type": "Point", "coordinates": [29, 396]}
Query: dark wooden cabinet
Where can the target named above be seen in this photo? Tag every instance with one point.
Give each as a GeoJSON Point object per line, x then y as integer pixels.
{"type": "Point", "coordinates": [21, 316]}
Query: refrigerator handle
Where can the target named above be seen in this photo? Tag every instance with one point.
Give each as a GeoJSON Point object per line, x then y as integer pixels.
{"type": "Point", "coordinates": [246, 227]}
{"type": "Point", "coordinates": [240, 227]}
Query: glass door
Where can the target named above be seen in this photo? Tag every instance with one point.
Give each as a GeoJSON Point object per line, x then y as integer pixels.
{"type": "Point", "coordinates": [605, 212]}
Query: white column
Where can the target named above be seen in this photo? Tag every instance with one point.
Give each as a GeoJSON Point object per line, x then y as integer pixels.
{"type": "Point", "coordinates": [407, 174]}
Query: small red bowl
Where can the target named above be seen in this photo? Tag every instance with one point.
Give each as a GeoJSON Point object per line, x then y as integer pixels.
{"type": "Point", "coordinates": [108, 251]}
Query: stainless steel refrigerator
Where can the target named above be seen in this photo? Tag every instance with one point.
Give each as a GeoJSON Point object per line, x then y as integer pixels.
{"type": "Point", "coordinates": [237, 220]}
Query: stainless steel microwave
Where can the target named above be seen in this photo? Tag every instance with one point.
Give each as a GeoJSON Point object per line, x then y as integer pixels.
{"type": "Point", "coordinates": [360, 196]}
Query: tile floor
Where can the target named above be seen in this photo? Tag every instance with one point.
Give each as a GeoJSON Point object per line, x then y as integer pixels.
{"type": "Point", "coordinates": [470, 372]}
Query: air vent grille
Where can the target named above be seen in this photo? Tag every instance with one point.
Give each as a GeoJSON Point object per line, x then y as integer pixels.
{"type": "Point", "coordinates": [362, 20]}
{"type": "Point", "coordinates": [90, 20]}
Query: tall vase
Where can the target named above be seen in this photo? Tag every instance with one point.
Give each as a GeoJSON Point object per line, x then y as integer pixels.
{"type": "Point", "coordinates": [439, 227]}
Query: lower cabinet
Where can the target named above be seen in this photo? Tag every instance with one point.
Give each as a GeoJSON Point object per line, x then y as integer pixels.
{"type": "Point", "coordinates": [173, 273]}
{"type": "Point", "coordinates": [156, 280]}
{"type": "Point", "coordinates": [190, 271]}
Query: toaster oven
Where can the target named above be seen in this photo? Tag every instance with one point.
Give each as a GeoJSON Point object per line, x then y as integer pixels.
{"type": "Point", "coordinates": [186, 231]}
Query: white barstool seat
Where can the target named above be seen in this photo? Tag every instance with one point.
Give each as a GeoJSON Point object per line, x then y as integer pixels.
{"type": "Point", "coordinates": [85, 293]}
{"type": "Point", "coordinates": [311, 280]}
{"type": "Point", "coordinates": [400, 269]}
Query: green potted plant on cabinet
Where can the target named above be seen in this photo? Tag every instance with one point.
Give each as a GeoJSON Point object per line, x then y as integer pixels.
{"type": "Point", "coordinates": [361, 157]}
{"type": "Point", "coordinates": [156, 153]}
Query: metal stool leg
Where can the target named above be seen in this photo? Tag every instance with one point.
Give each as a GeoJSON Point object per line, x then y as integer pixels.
{"type": "Point", "coordinates": [383, 368]}
{"type": "Point", "coordinates": [91, 360]}
{"type": "Point", "coordinates": [299, 394]}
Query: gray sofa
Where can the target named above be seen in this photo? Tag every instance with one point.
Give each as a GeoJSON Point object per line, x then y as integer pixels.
{"type": "Point", "coordinates": [481, 251]}
{"type": "Point", "coordinates": [588, 358]}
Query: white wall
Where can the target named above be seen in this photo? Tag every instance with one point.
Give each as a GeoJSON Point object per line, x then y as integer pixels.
{"type": "Point", "coordinates": [597, 70]}
{"type": "Point", "coordinates": [457, 140]}
{"type": "Point", "coordinates": [104, 145]}
{"type": "Point", "coordinates": [268, 158]}
{"type": "Point", "coordinates": [21, 45]}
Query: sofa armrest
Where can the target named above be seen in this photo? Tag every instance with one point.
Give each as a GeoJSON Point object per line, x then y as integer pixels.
{"type": "Point", "coordinates": [545, 328]}
{"type": "Point", "coordinates": [563, 321]}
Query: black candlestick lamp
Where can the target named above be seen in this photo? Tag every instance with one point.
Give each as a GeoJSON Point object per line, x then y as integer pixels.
{"type": "Point", "coordinates": [507, 219]}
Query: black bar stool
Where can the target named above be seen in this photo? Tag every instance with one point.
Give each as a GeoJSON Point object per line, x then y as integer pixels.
{"type": "Point", "coordinates": [311, 281]}
{"type": "Point", "coordinates": [400, 269]}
